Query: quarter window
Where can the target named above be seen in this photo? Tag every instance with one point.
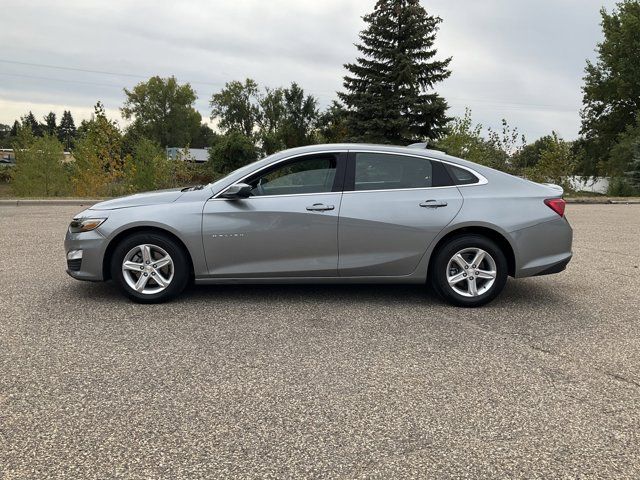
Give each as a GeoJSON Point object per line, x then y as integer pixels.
{"type": "Point", "coordinates": [462, 176]}
{"type": "Point", "coordinates": [381, 171]}
{"type": "Point", "coordinates": [307, 175]}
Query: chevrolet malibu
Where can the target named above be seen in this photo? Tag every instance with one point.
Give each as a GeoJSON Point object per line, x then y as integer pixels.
{"type": "Point", "coordinates": [330, 214]}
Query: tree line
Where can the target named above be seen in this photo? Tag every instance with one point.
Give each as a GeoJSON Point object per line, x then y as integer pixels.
{"type": "Point", "coordinates": [389, 96]}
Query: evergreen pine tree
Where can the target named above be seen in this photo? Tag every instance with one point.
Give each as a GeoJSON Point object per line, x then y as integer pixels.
{"type": "Point", "coordinates": [67, 130]}
{"type": "Point", "coordinates": [50, 126]}
{"type": "Point", "coordinates": [4, 131]}
{"type": "Point", "coordinates": [389, 89]}
{"type": "Point", "coordinates": [29, 120]}
{"type": "Point", "coordinates": [15, 129]}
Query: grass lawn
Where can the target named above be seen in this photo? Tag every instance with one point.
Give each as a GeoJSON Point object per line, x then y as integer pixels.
{"type": "Point", "coordinates": [5, 190]}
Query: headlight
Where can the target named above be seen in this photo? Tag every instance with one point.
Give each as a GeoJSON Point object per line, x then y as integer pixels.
{"type": "Point", "coordinates": [85, 224]}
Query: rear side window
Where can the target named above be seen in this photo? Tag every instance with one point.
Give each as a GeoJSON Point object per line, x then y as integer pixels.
{"type": "Point", "coordinates": [461, 176]}
{"type": "Point", "coordinates": [381, 171]}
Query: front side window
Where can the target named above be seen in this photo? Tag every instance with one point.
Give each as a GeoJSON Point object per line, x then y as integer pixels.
{"type": "Point", "coordinates": [307, 175]}
{"type": "Point", "coordinates": [381, 171]}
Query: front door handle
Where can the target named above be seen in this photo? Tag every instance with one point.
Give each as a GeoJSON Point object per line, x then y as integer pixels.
{"type": "Point", "coordinates": [320, 207]}
{"type": "Point", "coordinates": [433, 204]}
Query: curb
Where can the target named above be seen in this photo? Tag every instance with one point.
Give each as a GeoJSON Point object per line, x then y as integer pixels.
{"type": "Point", "coordinates": [604, 201]}
{"type": "Point", "coordinates": [80, 202]}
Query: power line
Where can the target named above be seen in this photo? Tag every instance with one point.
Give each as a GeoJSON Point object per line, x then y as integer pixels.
{"type": "Point", "coordinates": [86, 70]}
{"type": "Point", "coordinates": [516, 106]}
{"type": "Point", "coordinates": [73, 69]}
{"type": "Point", "coordinates": [51, 79]}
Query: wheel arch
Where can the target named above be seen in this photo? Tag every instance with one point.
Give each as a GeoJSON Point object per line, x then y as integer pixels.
{"type": "Point", "coordinates": [485, 231]}
{"type": "Point", "coordinates": [113, 243]}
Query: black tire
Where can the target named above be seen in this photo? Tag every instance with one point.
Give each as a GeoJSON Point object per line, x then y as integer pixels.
{"type": "Point", "coordinates": [439, 270]}
{"type": "Point", "coordinates": [181, 266]}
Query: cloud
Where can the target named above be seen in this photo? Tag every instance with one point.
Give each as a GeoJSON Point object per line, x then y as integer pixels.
{"type": "Point", "coordinates": [511, 59]}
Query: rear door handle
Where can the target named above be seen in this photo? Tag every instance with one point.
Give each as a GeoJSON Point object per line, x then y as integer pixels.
{"type": "Point", "coordinates": [320, 207]}
{"type": "Point", "coordinates": [433, 204]}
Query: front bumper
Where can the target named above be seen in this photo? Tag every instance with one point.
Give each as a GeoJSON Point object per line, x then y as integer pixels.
{"type": "Point", "coordinates": [85, 252]}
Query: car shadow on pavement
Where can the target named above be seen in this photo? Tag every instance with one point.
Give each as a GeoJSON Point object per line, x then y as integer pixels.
{"type": "Point", "coordinates": [526, 293]}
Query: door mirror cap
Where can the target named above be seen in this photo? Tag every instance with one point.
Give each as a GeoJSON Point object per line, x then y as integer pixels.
{"type": "Point", "coordinates": [236, 191]}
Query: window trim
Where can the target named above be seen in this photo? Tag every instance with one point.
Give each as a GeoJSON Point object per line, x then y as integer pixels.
{"type": "Point", "coordinates": [338, 181]}
{"type": "Point", "coordinates": [348, 173]}
{"type": "Point", "coordinates": [351, 173]}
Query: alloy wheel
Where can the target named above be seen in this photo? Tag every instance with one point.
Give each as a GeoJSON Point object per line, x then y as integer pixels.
{"type": "Point", "coordinates": [148, 269]}
{"type": "Point", "coordinates": [471, 272]}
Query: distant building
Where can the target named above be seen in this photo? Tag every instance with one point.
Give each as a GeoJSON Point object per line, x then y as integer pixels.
{"type": "Point", "coordinates": [8, 156]}
{"type": "Point", "coordinates": [589, 184]}
{"type": "Point", "coordinates": [198, 155]}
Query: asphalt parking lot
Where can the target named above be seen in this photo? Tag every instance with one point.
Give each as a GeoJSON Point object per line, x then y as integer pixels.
{"type": "Point", "coordinates": [320, 381]}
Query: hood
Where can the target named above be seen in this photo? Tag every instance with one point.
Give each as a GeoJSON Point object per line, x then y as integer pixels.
{"type": "Point", "coordinates": [140, 199]}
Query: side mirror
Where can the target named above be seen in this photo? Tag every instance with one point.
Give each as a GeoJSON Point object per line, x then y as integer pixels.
{"type": "Point", "coordinates": [236, 191]}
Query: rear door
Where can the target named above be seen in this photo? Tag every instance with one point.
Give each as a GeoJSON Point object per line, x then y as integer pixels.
{"type": "Point", "coordinates": [392, 208]}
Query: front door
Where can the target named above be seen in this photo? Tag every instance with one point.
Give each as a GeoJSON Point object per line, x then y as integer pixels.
{"type": "Point", "coordinates": [396, 206]}
{"type": "Point", "coordinates": [288, 226]}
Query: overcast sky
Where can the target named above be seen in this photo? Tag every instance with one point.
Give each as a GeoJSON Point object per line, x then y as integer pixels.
{"type": "Point", "coordinates": [513, 59]}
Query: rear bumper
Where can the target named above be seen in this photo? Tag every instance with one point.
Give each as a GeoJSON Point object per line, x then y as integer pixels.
{"type": "Point", "coordinates": [557, 268]}
{"type": "Point", "coordinates": [543, 249]}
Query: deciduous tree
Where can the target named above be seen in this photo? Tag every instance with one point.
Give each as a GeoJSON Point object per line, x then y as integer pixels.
{"type": "Point", "coordinates": [301, 114]}
{"type": "Point", "coordinates": [39, 169]}
{"type": "Point", "coordinates": [556, 163]}
{"type": "Point", "coordinates": [612, 87]}
{"type": "Point", "coordinates": [163, 111]}
{"type": "Point", "coordinates": [98, 167]}
{"type": "Point", "coordinates": [236, 107]}
{"type": "Point", "coordinates": [231, 151]}
{"type": "Point", "coordinates": [332, 124]}
{"type": "Point", "coordinates": [465, 139]}
{"type": "Point", "coordinates": [287, 118]}
{"type": "Point", "coordinates": [529, 155]}
{"type": "Point", "coordinates": [146, 168]}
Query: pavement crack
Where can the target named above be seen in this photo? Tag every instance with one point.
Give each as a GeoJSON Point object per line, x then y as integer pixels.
{"type": "Point", "coordinates": [360, 471]}
{"type": "Point", "coordinates": [520, 339]}
{"type": "Point", "coordinates": [620, 378]}
{"type": "Point", "coordinates": [541, 350]}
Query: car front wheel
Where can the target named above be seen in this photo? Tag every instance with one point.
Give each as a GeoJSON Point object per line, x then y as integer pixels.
{"type": "Point", "coordinates": [469, 271]}
{"type": "Point", "coordinates": [150, 267]}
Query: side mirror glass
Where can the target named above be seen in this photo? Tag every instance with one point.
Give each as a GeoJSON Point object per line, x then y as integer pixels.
{"type": "Point", "coordinates": [237, 190]}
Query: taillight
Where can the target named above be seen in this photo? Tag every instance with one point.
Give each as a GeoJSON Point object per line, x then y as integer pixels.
{"type": "Point", "coordinates": [556, 204]}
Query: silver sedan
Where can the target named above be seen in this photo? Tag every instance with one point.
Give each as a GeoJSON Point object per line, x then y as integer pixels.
{"type": "Point", "coordinates": [330, 214]}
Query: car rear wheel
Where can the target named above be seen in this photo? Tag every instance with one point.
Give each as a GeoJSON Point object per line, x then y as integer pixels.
{"type": "Point", "coordinates": [469, 271]}
{"type": "Point", "coordinates": [150, 267]}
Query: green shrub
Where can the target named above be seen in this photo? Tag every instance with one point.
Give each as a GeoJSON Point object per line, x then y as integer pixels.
{"type": "Point", "coordinates": [6, 172]}
{"type": "Point", "coordinates": [39, 170]}
{"type": "Point", "coordinates": [620, 187]}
